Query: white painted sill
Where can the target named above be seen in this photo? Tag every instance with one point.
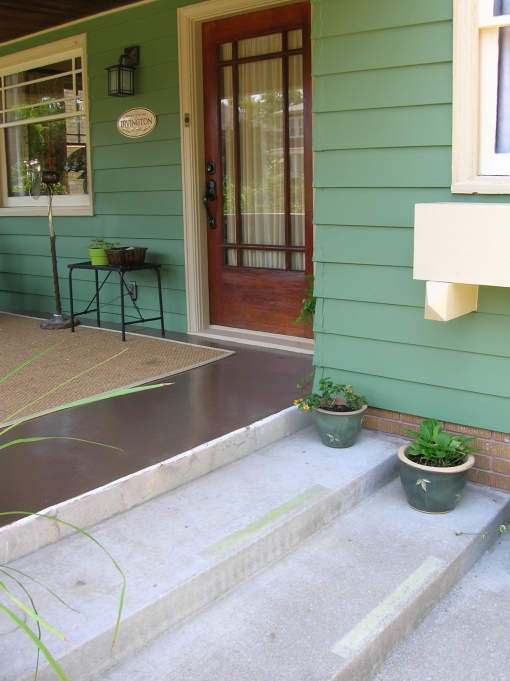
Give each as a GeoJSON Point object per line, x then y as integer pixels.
{"type": "Point", "coordinates": [27, 211]}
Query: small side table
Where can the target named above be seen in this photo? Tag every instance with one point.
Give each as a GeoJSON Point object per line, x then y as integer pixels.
{"type": "Point", "coordinates": [123, 291]}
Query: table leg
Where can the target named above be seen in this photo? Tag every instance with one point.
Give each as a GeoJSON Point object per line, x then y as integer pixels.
{"type": "Point", "coordinates": [160, 303]}
{"type": "Point", "coordinates": [98, 313]}
{"type": "Point", "coordinates": [71, 297]}
{"type": "Point", "coordinates": [122, 318]}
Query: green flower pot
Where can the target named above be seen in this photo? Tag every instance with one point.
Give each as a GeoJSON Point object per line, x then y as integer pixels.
{"type": "Point", "coordinates": [433, 490]}
{"type": "Point", "coordinates": [98, 256]}
{"type": "Point", "coordinates": [338, 428]}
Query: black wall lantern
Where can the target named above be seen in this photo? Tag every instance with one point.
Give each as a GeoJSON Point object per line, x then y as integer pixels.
{"type": "Point", "coordinates": [121, 77]}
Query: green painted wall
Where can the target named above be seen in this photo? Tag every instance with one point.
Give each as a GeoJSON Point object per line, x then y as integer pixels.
{"type": "Point", "coordinates": [382, 140]}
{"type": "Point", "coordinates": [136, 183]}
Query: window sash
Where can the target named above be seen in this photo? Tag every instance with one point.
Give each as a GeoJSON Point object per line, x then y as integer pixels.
{"type": "Point", "coordinates": [32, 59]}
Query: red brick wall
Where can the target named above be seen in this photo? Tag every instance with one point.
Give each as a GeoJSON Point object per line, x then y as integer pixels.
{"type": "Point", "coordinates": [492, 465]}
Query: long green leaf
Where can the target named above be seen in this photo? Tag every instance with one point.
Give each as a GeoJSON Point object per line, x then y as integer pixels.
{"type": "Point", "coordinates": [3, 570]}
{"type": "Point", "coordinates": [56, 437]}
{"type": "Point", "coordinates": [22, 586]}
{"type": "Point", "coordinates": [33, 614]}
{"type": "Point", "coordinates": [60, 385]}
{"type": "Point", "coordinates": [89, 536]}
{"type": "Point", "coordinates": [28, 361]}
{"type": "Point", "coordinates": [58, 669]}
{"type": "Point", "coordinates": [86, 400]}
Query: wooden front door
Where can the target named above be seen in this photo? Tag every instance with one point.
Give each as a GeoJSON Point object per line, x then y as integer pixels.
{"type": "Point", "coordinates": [257, 96]}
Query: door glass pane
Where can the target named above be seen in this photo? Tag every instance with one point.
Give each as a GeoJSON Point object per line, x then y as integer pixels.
{"type": "Point", "coordinates": [297, 152]}
{"type": "Point", "coordinates": [226, 52]}
{"type": "Point", "coordinates": [295, 39]}
{"type": "Point", "coordinates": [227, 155]}
{"type": "Point", "coordinates": [297, 261]}
{"type": "Point", "coordinates": [253, 47]}
{"type": "Point", "coordinates": [262, 155]}
{"type": "Point", "coordinates": [266, 259]}
{"type": "Point", "coordinates": [231, 257]}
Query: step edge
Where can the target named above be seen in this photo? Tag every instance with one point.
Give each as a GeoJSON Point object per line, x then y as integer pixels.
{"type": "Point", "coordinates": [304, 524]}
{"type": "Point", "coordinates": [29, 534]}
{"type": "Point", "coordinates": [365, 663]}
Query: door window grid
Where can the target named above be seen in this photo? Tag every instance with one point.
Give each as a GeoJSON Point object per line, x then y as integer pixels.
{"type": "Point", "coordinates": [244, 224]}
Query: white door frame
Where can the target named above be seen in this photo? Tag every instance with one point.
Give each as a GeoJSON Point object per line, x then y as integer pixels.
{"type": "Point", "coordinates": [189, 26]}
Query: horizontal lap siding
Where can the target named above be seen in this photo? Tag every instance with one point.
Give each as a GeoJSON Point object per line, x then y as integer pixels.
{"type": "Point", "coordinates": [382, 142]}
{"type": "Point", "coordinates": [136, 183]}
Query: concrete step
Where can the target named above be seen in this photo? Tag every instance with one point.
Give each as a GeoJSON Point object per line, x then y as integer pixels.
{"type": "Point", "coordinates": [466, 635]}
{"type": "Point", "coordinates": [184, 549]}
{"type": "Point", "coordinates": [336, 607]}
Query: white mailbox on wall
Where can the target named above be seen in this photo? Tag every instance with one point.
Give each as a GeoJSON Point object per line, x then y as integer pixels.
{"type": "Point", "coordinates": [457, 248]}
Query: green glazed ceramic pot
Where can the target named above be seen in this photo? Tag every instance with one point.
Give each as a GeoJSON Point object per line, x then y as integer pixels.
{"type": "Point", "coordinates": [338, 428]}
{"type": "Point", "coordinates": [429, 489]}
{"type": "Point", "coordinates": [98, 256]}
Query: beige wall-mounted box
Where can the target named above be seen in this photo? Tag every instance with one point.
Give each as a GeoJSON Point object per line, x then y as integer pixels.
{"type": "Point", "coordinates": [462, 243]}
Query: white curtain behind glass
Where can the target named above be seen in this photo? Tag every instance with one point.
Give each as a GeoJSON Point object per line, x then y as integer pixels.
{"type": "Point", "coordinates": [262, 159]}
{"type": "Point", "coordinates": [502, 7]}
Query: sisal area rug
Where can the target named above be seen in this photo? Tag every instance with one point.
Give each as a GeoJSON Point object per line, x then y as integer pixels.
{"type": "Point", "coordinates": [75, 366]}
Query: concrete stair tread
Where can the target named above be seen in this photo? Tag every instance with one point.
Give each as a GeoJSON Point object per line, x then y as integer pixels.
{"type": "Point", "coordinates": [183, 549]}
{"type": "Point", "coordinates": [466, 636]}
{"type": "Point", "coordinates": [336, 606]}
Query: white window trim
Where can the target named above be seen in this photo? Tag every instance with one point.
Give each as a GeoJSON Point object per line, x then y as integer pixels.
{"type": "Point", "coordinates": [469, 139]}
{"type": "Point", "coordinates": [63, 205]}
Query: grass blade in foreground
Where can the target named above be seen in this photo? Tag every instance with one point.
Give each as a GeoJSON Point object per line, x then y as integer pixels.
{"type": "Point", "coordinates": [40, 645]}
{"type": "Point", "coordinates": [32, 612]}
{"type": "Point", "coordinates": [89, 536]}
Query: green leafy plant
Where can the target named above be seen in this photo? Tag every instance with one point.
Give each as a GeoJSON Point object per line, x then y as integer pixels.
{"type": "Point", "coordinates": [433, 447]}
{"type": "Point", "coordinates": [307, 313]}
{"type": "Point", "coordinates": [331, 396]}
{"type": "Point", "coordinates": [99, 242]}
{"type": "Point", "coordinates": [9, 574]}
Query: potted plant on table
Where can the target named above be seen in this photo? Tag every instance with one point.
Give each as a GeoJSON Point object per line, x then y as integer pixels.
{"type": "Point", "coordinates": [338, 412]}
{"type": "Point", "coordinates": [98, 248]}
{"type": "Point", "coordinates": [434, 468]}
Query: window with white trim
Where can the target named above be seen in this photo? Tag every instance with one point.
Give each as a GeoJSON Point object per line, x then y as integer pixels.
{"type": "Point", "coordinates": [43, 121]}
{"type": "Point", "coordinates": [481, 97]}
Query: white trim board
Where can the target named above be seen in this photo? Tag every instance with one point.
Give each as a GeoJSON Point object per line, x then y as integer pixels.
{"type": "Point", "coordinates": [189, 27]}
{"type": "Point", "coordinates": [258, 338]}
{"type": "Point", "coordinates": [475, 55]}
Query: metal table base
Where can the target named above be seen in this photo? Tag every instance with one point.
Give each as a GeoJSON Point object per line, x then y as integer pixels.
{"type": "Point", "coordinates": [122, 270]}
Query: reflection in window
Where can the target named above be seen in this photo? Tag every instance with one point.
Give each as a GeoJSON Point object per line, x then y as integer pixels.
{"type": "Point", "coordinates": [501, 7]}
{"type": "Point", "coordinates": [45, 127]}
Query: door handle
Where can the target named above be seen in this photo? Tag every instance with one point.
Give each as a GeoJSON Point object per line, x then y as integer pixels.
{"type": "Point", "coordinates": [210, 195]}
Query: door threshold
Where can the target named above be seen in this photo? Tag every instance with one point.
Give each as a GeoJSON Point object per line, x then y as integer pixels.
{"type": "Point", "coordinates": [267, 340]}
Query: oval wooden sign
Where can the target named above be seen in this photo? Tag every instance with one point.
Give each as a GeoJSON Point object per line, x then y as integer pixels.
{"type": "Point", "coordinates": [136, 122]}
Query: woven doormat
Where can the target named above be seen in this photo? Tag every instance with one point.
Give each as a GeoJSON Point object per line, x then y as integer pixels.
{"type": "Point", "coordinates": [82, 364]}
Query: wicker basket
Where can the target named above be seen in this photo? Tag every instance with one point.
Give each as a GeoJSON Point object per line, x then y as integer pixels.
{"type": "Point", "coordinates": [123, 257]}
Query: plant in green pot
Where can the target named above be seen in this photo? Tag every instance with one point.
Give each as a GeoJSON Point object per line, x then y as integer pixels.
{"type": "Point", "coordinates": [434, 468]}
{"type": "Point", "coordinates": [97, 250]}
{"type": "Point", "coordinates": [338, 412]}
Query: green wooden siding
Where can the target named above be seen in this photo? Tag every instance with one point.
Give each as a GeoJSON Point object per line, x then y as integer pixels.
{"type": "Point", "coordinates": [136, 183]}
{"type": "Point", "coordinates": [382, 141]}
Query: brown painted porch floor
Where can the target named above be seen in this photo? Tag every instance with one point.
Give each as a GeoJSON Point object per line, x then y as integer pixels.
{"type": "Point", "coordinates": [201, 405]}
